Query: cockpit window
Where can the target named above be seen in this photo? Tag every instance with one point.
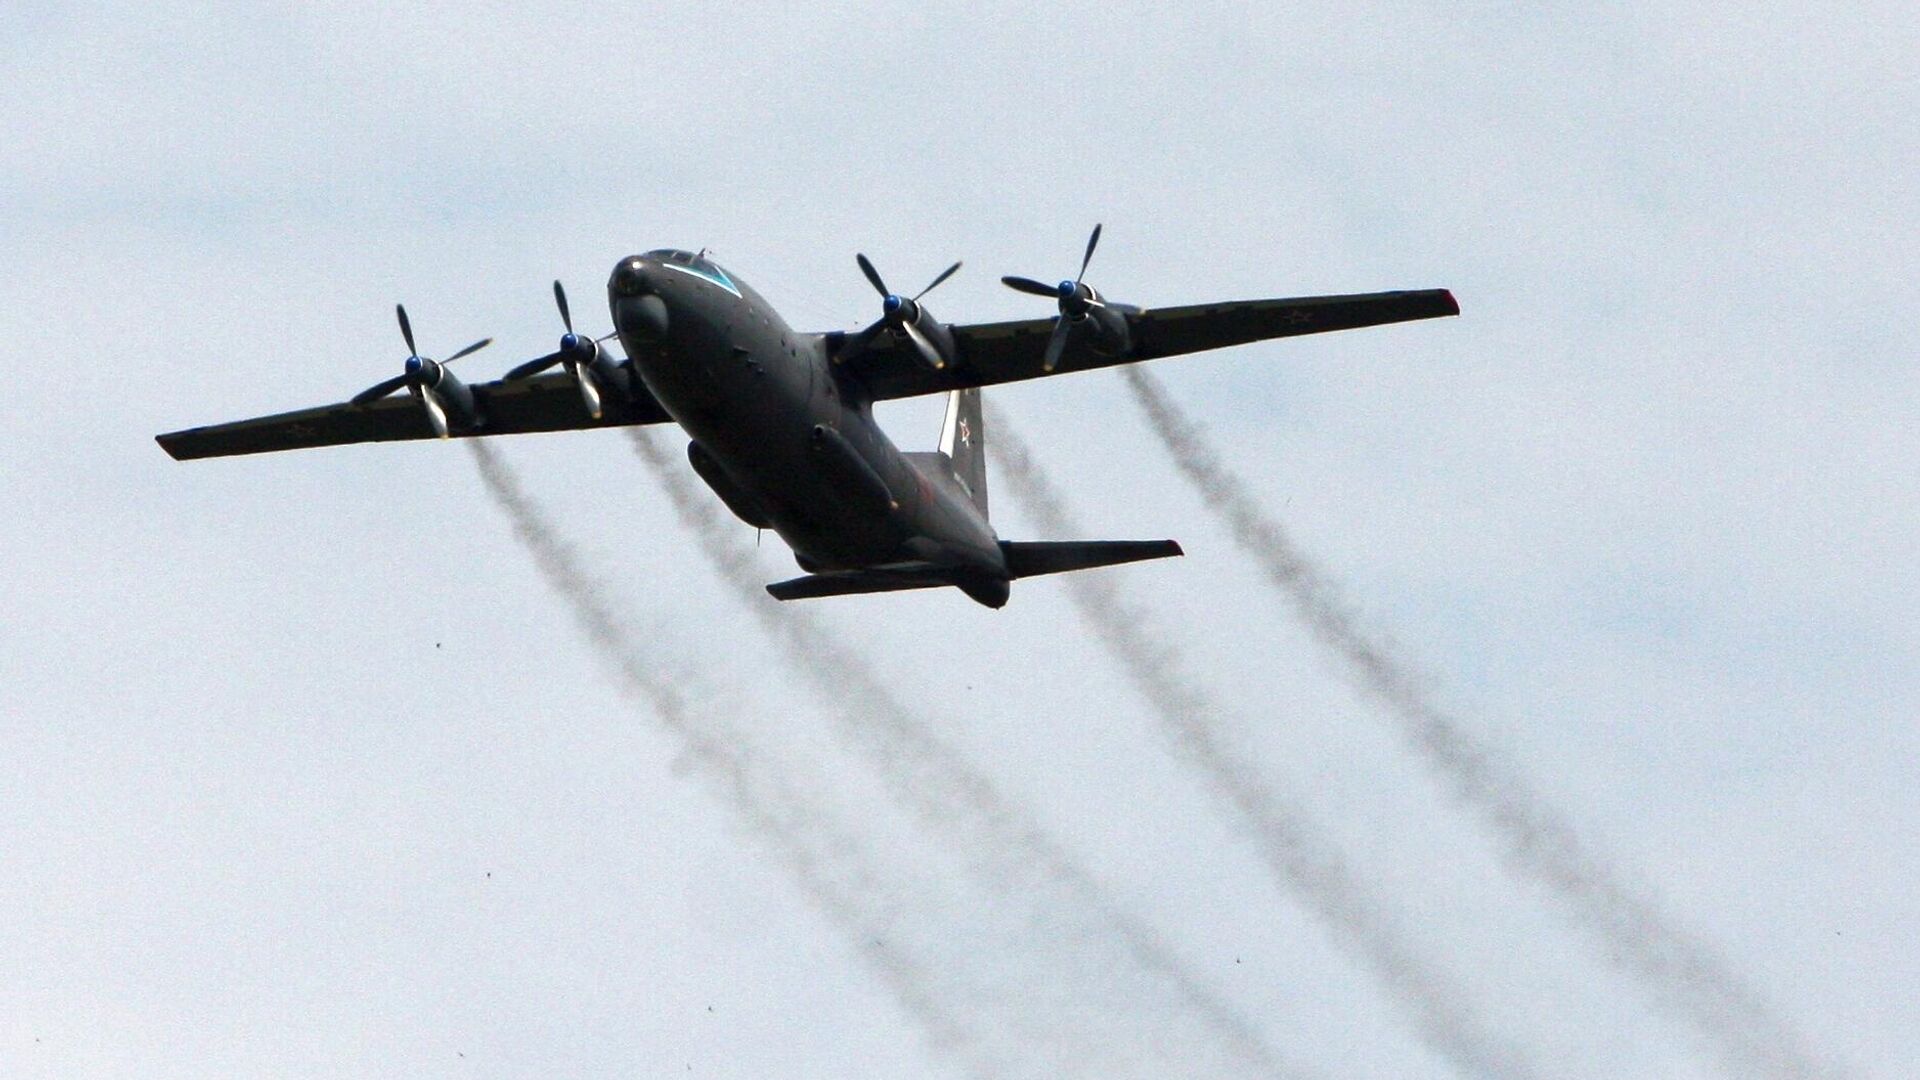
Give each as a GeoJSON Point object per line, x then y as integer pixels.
{"type": "Point", "coordinates": [697, 265]}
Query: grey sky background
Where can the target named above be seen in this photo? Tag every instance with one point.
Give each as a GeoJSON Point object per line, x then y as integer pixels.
{"type": "Point", "coordinates": [304, 772]}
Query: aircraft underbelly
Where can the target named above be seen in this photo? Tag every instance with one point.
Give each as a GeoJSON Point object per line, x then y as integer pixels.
{"type": "Point", "coordinates": [749, 403]}
{"type": "Point", "coordinates": [814, 508]}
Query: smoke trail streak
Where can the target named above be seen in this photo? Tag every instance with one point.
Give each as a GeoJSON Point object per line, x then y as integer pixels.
{"type": "Point", "coordinates": [1540, 841]}
{"type": "Point", "coordinates": [1287, 839]}
{"type": "Point", "coordinates": [785, 821]}
{"type": "Point", "coordinates": [1006, 848]}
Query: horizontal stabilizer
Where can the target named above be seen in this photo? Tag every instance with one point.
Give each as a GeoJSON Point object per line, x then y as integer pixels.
{"type": "Point", "coordinates": [1033, 558]}
{"type": "Point", "coordinates": [1023, 560]}
{"type": "Point", "coordinates": [850, 582]}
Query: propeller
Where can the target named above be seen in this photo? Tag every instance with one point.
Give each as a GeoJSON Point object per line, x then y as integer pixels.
{"type": "Point", "coordinates": [901, 314]}
{"type": "Point", "coordinates": [420, 377]}
{"type": "Point", "coordinates": [576, 352]}
{"type": "Point", "coordinates": [1075, 298]}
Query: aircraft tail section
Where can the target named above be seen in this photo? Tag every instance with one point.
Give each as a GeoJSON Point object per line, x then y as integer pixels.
{"type": "Point", "coordinates": [963, 438]}
{"type": "Point", "coordinates": [1036, 557]}
{"type": "Point", "coordinates": [854, 582]}
{"type": "Point", "coordinates": [1023, 560]}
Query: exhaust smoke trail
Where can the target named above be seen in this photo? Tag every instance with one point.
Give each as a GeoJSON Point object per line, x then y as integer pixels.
{"type": "Point", "coordinates": [1287, 840]}
{"type": "Point", "coordinates": [1684, 971]}
{"type": "Point", "coordinates": [792, 825]}
{"type": "Point", "coordinates": [1004, 846]}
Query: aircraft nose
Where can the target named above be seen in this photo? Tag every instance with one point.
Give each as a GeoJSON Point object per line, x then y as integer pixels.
{"type": "Point", "coordinates": [643, 317]}
{"type": "Point", "coordinates": [638, 309]}
{"type": "Point", "coordinates": [629, 278]}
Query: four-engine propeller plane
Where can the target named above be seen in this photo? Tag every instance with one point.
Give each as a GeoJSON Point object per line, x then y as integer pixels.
{"type": "Point", "coordinates": [782, 422]}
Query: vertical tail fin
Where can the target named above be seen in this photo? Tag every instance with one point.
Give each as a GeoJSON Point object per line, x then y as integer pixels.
{"type": "Point", "coordinates": [963, 438]}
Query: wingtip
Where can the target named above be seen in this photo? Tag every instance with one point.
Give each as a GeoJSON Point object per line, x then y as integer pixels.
{"type": "Point", "coordinates": [1452, 305]}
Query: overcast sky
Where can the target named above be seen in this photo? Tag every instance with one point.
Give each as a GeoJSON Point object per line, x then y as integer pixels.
{"type": "Point", "coordinates": [305, 771]}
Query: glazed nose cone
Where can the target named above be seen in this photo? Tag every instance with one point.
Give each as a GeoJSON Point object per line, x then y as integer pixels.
{"type": "Point", "coordinates": [638, 310]}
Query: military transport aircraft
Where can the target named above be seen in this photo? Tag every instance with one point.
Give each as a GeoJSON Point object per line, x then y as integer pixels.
{"type": "Point", "coordinates": [782, 422]}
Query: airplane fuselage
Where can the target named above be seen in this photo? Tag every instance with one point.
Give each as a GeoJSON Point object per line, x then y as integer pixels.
{"type": "Point", "coordinates": [784, 439]}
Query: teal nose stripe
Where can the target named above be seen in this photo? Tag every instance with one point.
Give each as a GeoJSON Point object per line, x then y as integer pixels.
{"type": "Point", "coordinates": [717, 276]}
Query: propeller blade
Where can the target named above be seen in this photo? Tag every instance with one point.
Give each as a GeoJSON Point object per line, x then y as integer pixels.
{"type": "Point", "coordinates": [944, 275]}
{"type": "Point", "coordinates": [859, 342]}
{"type": "Point", "coordinates": [606, 337]}
{"type": "Point", "coordinates": [1028, 285]}
{"type": "Point", "coordinates": [589, 393]}
{"type": "Point", "coordinates": [406, 329]}
{"type": "Point", "coordinates": [473, 348]}
{"type": "Point", "coordinates": [1056, 344]}
{"type": "Point", "coordinates": [560, 297]}
{"type": "Point", "coordinates": [873, 276]}
{"type": "Point", "coordinates": [436, 414]}
{"type": "Point", "coordinates": [380, 389]}
{"type": "Point", "coordinates": [928, 354]}
{"type": "Point", "coordinates": [1092, 242]}
{"type": "Point", "coordinates": [533, 367]}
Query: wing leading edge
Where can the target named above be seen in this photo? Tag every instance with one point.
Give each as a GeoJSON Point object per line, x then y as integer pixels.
{"type": "Point", "coordinates": [543, 403]}
{"type": "Point", "coordinates": [990, 353]}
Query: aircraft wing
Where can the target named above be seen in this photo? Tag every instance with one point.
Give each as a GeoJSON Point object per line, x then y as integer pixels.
{"type": "Point", "coordinates": [543, 403]}
{"type": "Point", "coordinates": [989, 353]}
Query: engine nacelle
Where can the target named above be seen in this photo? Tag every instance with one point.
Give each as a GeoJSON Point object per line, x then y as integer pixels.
{"type": "Point", "coordinates": [935, 332]}
{"type": "Point", "coordinates": [462, 409]}
{"type": "Point", "coordinates": [449, 403]}
{"type": "Point", "coordinates": [1104, 328]}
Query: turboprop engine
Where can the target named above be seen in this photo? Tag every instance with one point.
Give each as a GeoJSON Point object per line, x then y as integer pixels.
{"type": "Point", "coordinates": [1084, 315]}
{"type": "Point", "coordinates": [446, 401]}
{"type": "Point", "coordinates": [906, 320]}
{"type": "Point", "coordinates": [594, 371]}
